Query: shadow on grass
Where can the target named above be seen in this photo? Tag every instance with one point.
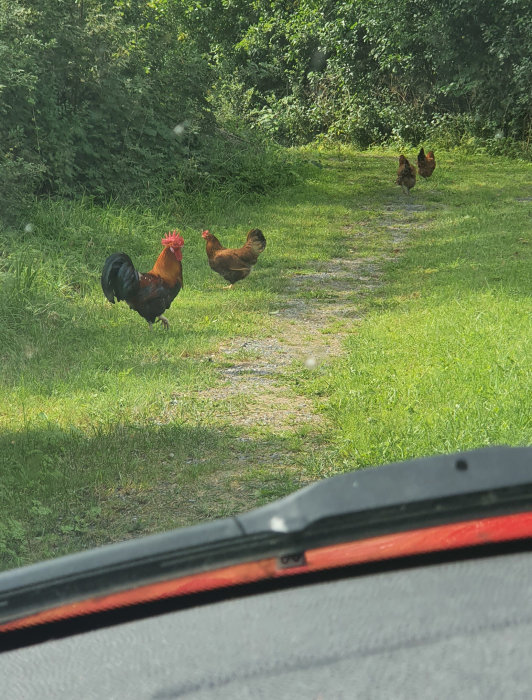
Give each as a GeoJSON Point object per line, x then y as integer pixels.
{"type": "Point", "coordinates": [66, 490]}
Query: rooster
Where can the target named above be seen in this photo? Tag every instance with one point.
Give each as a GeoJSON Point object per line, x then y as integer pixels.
{"type": "Point", "coordinates": [406, 175]}
{"type": "Point", "coordinates": [147, 293]}
{"type": "Point", "coordinates": [425, 163]}
{"type": "Point", "coordinates": [233, 264]}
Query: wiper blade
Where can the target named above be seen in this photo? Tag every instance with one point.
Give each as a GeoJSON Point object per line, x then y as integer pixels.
{"type": "Point", "coordinates": [402, 495]}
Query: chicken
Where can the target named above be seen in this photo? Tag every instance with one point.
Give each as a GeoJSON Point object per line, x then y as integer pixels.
{"type": "Point", "coordinates": [406, 175]}
{"type": "Point", "coordinates": [233, 264]}
{"type": "Point", "coordinates": [425, 163]}
{"type": "Point", "coordinates": [147, 293]}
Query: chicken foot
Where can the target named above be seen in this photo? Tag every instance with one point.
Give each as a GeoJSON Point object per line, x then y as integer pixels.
{"type": "Point", "coordinates": [163, 320]}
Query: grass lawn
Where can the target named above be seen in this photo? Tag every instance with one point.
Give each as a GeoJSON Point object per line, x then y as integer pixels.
{"type": "Point", "coordinates": [107, 429]}
{"type": "Point", "coordinates": [443, 361]}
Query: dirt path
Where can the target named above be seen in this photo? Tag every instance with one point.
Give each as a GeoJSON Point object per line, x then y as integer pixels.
{"type": "Point", "coordinates": [275, 439]}
{"type": "Point", "coordinates": [303, 336]}
{"type": "Point", "coordinates": [317, 313]}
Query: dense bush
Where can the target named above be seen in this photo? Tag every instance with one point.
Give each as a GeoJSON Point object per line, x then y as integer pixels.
{"type": "Point", "coordinates": [92, 93]}
{"type": "Point", "coordinates": [378, 71]}
{"type": "Point", "coordinates": [118, 96]}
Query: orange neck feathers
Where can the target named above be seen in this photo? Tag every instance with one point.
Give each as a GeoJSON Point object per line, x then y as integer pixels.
{"type": "Point", "coordinates": [168, 267]}
{"type": "Point", "coordinates": [213, 244]}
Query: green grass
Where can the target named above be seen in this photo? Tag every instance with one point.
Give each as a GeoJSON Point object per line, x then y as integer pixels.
{"type": "Point", "coordinates": [443, 362]}
{"type": "Point", "coordinates": [105, 432]}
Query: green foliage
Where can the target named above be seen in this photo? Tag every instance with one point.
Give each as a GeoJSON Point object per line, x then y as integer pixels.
{"type": "Point", "coordinates": [116, 98]}
{"type": "Point", "coordinates": [388, 71]}
{"type": "Point", "coordinates": [13, 538]}
{"type": "Point", "coordinates": [94, 96]}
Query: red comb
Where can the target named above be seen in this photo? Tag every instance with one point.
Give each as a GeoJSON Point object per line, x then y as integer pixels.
{"type": "Point", "coordinates": [174, 239]}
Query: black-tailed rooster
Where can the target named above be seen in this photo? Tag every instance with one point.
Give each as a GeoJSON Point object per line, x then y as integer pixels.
{"type": "Point", "coordinates": [147, 293]}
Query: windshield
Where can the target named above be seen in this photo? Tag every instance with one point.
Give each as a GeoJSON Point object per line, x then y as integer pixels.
{"type": "Point", "coordinates": [221, 283]}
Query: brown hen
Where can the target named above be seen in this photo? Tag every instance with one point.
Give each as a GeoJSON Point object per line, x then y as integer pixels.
{"type": "Point", "coordinates": [406, 175]}
{"type": "Point", "coordinates": [234, 264]}
{"type": "Point", "coordinates": [426, 163]}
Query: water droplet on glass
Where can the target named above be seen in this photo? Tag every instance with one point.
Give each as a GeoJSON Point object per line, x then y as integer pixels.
{"type": "Point", "coordinates": [311, 363]}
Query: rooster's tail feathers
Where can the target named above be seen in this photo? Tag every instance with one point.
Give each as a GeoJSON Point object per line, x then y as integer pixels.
{"type": "Point", "coordinates": [119, 277]}
{"type": "Point", "coordinates": [256, 240]}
